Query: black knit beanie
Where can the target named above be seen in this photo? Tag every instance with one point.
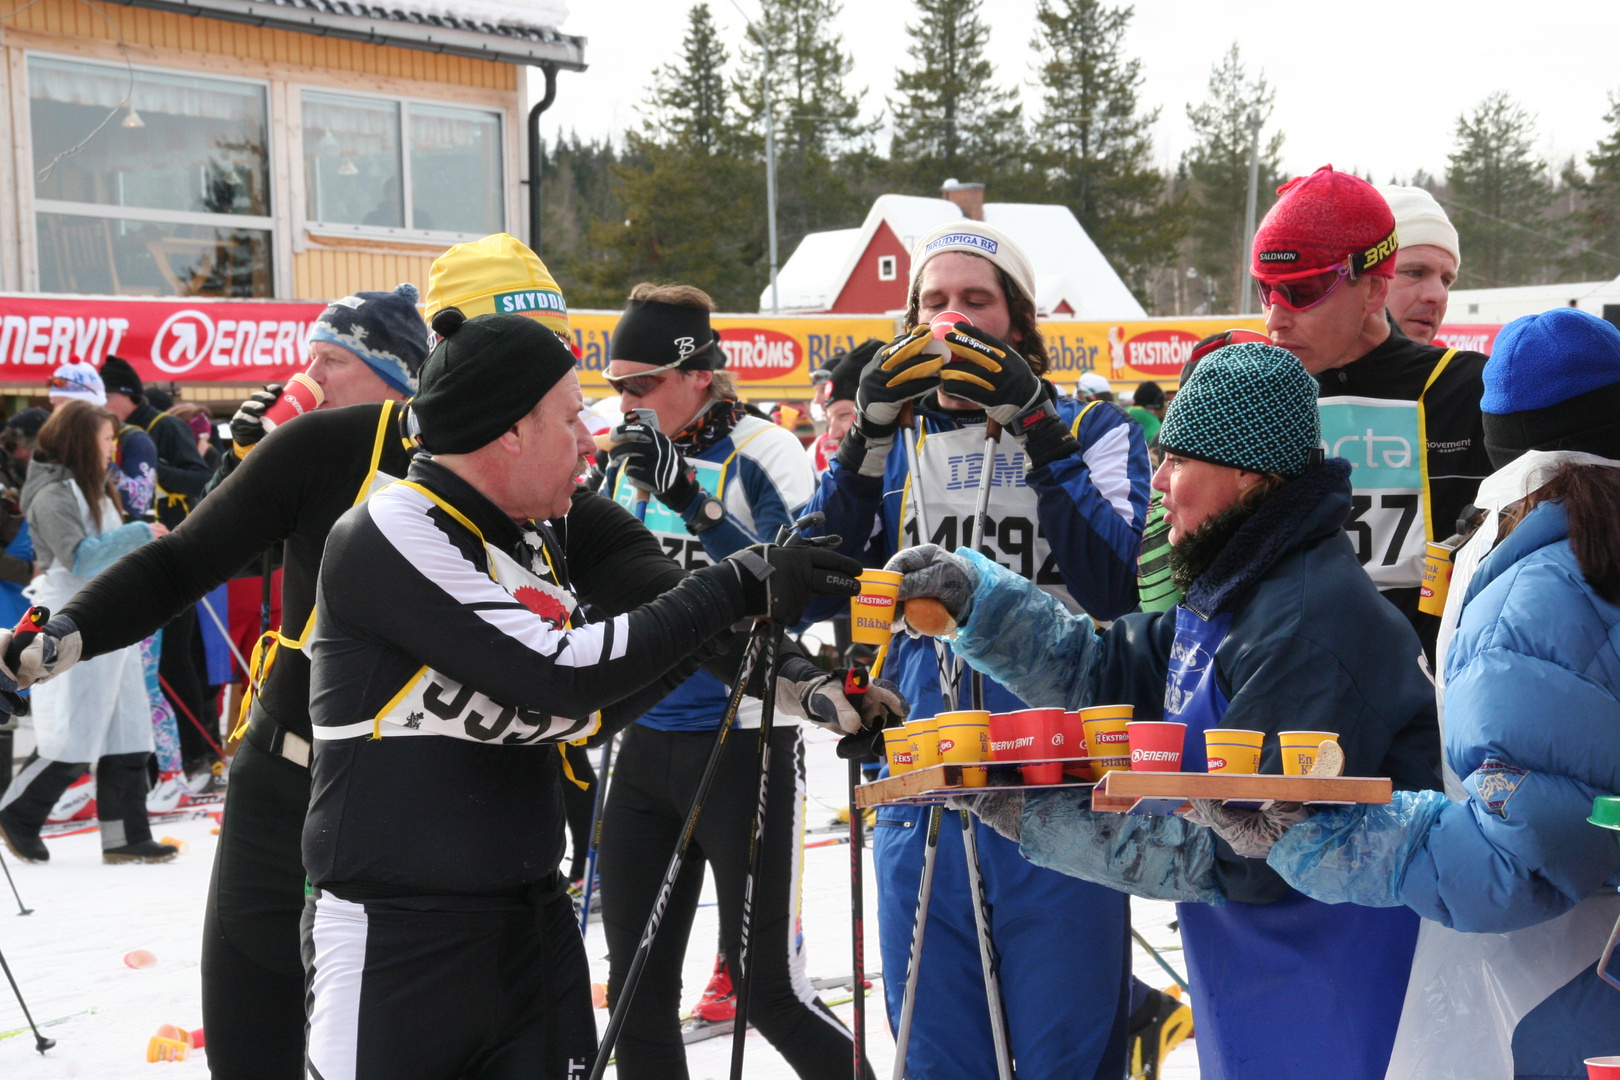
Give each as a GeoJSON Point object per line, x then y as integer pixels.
{"type": "Point", "coordinates": [119, 377]}
{"type": "Point", "coordinates": [485, 374]}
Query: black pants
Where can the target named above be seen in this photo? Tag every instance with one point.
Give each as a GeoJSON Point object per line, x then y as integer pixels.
{"type": "Point", "coordinates": [120, 796]}
{"type": "Point", "coordinates": [177, 663]}
{"type": "Point", "coordinates": [252, 971]}
{"type": "Point", "coordinates": [579, 804]}
{"type": "Point", "coordinates": [447, 988]}
{"type": "Point", "coordinates": [654, 781]}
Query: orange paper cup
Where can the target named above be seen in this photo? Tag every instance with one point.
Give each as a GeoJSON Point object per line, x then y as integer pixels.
{"type": "Point", "coordinates": [1107, 738]}
{"type": "Point", "coordinates": [924, 736]}
{"type": "Point", "coordinates": [1299, 749]}
{"type": "Point", "coordinates": [964, 739]}
{"type": "Point", "coordinates": [1233, 750]}
{"type": "Point", "coordinates": [898, 747]}
{"type": "Point", "coordinates": [871, 614]}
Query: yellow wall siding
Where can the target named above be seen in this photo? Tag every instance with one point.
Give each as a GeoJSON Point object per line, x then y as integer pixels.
{"type": "Point", "coordinates": [323, 274]}
{"type": "Point", "coordinates": [160, 29]}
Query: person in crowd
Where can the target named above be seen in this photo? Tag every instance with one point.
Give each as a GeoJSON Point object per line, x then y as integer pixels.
{"type": "Point", "coordinates": [1094, 386]}
{"type": "Point", "coordinates": [181, 476]}
{"type": "Point", "coordinates": [1427, 264]}
{"type": "Point", "coordinates": [1532, 724]}
{"type": "Point", "coordinates": [447, 671]}
{"type": "Point", "coordinates": [1405, 415]}
{"type": "Point", "coordinates": [17, 445]}
{"type": "Point", "coordinates": [98, 712]}
{"type": "Point", "coordinates": [1066, 506]}
{"type": "Point", "coordinates": [75, 382]}
{"type": "Point", "coordinates": [1279, 629]}
{"type": "Point", "coordinates": [837, 397]}
{"type": "Point", "coordinates": [17, 565]}
{"type": "Point", "coordinates": [201, 422]}
{"type": "Point", "coordinates": [709, 480]}
{"type": "Point", "coordinates": [1147, 409]}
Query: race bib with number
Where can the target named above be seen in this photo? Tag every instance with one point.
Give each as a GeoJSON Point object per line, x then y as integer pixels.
{"type": "Point", "coordinates": [1380, 440]}
{"type": "Point", "coordinates": [951, 464]}
{"type": "Point", "coordinates": [666, 524]}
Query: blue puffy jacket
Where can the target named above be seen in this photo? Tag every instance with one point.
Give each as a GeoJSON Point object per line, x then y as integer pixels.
{"type": "Point", "coordinates": [1533, 726]}
{"type": "Point", "coordinates": [1064, 944]}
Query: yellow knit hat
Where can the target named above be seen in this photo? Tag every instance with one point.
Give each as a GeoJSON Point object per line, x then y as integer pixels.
{"type": "Point", "coordinates": [498, 274]}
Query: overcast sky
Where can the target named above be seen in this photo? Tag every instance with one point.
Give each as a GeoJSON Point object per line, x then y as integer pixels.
{"type": "Point", "coordinates": [1379, 89]}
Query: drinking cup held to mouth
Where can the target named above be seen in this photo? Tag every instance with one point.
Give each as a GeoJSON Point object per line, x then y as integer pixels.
{"type": "Point", "coordinates": [1030, 734]}
{"type": "Point", "coordinates": [924, 736]}
{"type": "Point", "coordinates": [964, 739]}
{"type": "Point", "coordinates": [898, 748]}
{"type": "Point", "coordinates": [1107, 740]}
{"type": "Point", "coordinates": [1156, 745]}
{"type": "Point", "coordinates": [1299, 749]}
{"type": "Point", "coordinates": [871, 614]}
{"type": "Point", "coordinates": [1074, 745]}
{"type": "Point", "coordinates": [1233, 750]}
{"type": "Point", "coordinates": [302, 394]}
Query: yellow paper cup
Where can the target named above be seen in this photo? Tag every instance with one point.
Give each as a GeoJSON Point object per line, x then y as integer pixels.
{"type": "Point", "coordinates": [871, 614]}
{"type": "Point", "coordinates": [964, 739]}
{"type": "Point", "coordinates": [1436, 579]}
{"type": "Point", "coordinates": [898, 747]}
{"type": "Point", "coordinates": [1233, 750]}
{"type": "Point", "coordinates": [1299, 749]}
{"type": "Point", "coordinates": [1107, 738]}
{"type": "Point", "coordinates": [924, 736]}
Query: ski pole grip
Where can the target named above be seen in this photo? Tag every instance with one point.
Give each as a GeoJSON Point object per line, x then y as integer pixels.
{"type": "Point", "coordinates": [28, 627]}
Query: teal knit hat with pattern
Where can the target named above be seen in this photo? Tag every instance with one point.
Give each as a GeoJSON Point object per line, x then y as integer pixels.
{"type": "Point", "coordinates": [1248, 406]}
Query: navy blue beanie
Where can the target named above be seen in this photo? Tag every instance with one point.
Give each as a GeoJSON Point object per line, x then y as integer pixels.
{"type": "Point", "coordinates": [382, 328]}
{"type": "Point", "coordinates": [1553, 383]}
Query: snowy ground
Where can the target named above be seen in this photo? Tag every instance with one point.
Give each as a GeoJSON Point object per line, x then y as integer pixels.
{"type": "Point", "coordinates": [68, 955]}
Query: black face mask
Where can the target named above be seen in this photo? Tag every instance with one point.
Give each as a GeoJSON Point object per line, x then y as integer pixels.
{"type": "Point", "coordinates": [664, 335]}
{"type": "Point", "coordinates": [1198, 550]}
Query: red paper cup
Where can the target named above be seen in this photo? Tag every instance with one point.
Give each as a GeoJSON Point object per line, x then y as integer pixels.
{"type": "Point", "coordinates": [1156, 745]}
{"type": "Point", "coordinates": [302, 394]}
{"type": "Point", "coordinates": [1032, 734]}
{"type": "Point", "coordinates": [945, 322]}
{"type": "Point", "coordinates": [1603, 1068]}
{"type": "Point", "coordinates": [1074, 744]}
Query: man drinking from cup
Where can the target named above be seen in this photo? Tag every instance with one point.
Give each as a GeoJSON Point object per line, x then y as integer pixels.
{"type": "Point", "coordinates": [1279, 628]}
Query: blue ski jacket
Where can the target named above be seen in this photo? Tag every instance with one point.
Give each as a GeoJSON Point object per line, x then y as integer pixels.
{"type": "Point", "coordinates": [1064, 944]}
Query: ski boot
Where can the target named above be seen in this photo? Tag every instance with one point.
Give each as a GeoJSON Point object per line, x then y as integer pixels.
{"type": "Point", "coordinates": [145, 851]}
{"type": "Point", "coordinates": [719, 1000]}
{"type": "Point", "coordinates": [169, 794]}
{"type": "Point", "coordinates": [1159, 1026]}
{"type": "Point", "coordinates": [77, 803]}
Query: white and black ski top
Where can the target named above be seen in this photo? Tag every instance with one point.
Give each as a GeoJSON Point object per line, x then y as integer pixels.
{"type": "Point", "coordinates": [447, 662]}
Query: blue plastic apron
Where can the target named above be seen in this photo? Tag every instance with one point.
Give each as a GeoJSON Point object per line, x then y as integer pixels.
{"type": "Point", "coordinates": [1295, 990]}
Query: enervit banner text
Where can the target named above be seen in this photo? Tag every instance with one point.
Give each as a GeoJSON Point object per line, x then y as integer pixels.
{"type": "Point", "coordinates": [184, 340]}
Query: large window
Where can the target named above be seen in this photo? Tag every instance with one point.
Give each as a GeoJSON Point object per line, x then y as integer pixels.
{"type": "Point", "coordinates": [385, 164]}
{"type": "Point", "coordinates": [151, 183]}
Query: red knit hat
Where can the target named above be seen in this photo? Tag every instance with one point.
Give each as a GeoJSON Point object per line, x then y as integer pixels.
{"type": "Point", "coordinates": [1321, 220]}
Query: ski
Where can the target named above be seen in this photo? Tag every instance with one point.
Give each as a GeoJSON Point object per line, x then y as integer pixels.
{"type": "Point", "coordinates": [55, 830]}
{"type": "Point", "coordinates": [50, 1023]}
{"type": "Point", "coordinates": [694, 1030]}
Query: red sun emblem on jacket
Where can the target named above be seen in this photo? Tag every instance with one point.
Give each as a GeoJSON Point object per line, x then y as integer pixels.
{"type": "Point", "coordinates": [546, 606]}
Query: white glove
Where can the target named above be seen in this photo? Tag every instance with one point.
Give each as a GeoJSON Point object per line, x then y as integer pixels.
{"type": "Point", "coordinates": [42, 655]}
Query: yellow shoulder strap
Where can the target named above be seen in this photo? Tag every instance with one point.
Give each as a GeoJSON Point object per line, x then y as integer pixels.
{"type": "Point", "coordinates": [726, 464]}
{"type": "Point", "coordinates": [1423, 443]}
{"type": "Point", "coordinates": [376, 451]}
{"type": "Point", "coordinates": [1081, 415]}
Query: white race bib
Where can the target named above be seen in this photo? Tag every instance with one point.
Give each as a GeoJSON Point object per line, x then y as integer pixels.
{"type": "Point", "coordinates": [1386, 525]}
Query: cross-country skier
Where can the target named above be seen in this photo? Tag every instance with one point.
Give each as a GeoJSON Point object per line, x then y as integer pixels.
{"type": "Point", "coordinates": [1279, 630]}
{"type": "Point", "coordinates": [1425, 266]}
{"type": "Point", "coordinates": [1405, 415]}
{"type": "Point", "coordinates": [1069, 496]}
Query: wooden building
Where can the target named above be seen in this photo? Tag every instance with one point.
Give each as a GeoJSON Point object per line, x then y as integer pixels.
{"type": "Point", "coordinates": [260, 149]}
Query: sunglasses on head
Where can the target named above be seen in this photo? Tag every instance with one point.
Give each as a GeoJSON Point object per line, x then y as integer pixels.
{"type": "Point", "coordinates": [57, 382]}
{"type": "Point", "coordinates": [1301, 292]}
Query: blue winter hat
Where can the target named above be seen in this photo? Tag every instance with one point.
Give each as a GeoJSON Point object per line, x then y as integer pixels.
{"type": "Point", "coordinates": [1247, 406]}
{"type": "Point", "coordinates": [1553, 383]}
{"type": "Point", "coordinates": [382, 328]}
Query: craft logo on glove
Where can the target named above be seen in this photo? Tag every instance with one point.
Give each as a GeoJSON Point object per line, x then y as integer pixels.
{"type": "Point", "coordinates": [983, 243]}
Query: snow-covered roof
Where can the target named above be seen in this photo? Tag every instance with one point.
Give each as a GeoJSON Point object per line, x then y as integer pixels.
{"type": "Point", "coordinates": [509, 31]}
{"type": "Point", "coordinates": [1068, 265]}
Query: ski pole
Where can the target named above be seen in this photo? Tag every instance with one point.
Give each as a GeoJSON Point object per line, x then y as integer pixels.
{"type": "Point", "coordinates": [987, 950]}
{"type": "Point", "coordinates": [198, 724]}
{"type": "Point", "coordinates": [596, 836]}
{"type": "Point", "coordinates": [981, 512]}
{"type": "Point", "coordinates": [610, 1035]}
{"type": "Point", "coordinates": [756, 857]}
{"type": "Point", "coordinates": [908, 1002]}
{"type": "Point", "coordinates": [20, 909]}
{"type": "Point", "coordinates": [949, 677]}
{"type": "Point", "coordinates": [855, 683]}
{"type": "Point", "coordinates": [226, 634]}
{"type": "Point", "coordinates": [1142, 941]}
{"type": "Point", "coordinates": [41, 1043]}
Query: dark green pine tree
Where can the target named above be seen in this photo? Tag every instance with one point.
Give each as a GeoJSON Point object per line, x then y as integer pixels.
{"type": "Point", "coordinates": [684, 213]}
{"type": "Point", "coordinates": [1217, 167]}
{"type": "Point", "coordinates": [1596, 219]}
{"type": "Point", "coordinates": [1499, 196]}
{"type": "Point", "coordinates": [950, 119]}
{"type": "Point", "coordinates": [1095, 146]}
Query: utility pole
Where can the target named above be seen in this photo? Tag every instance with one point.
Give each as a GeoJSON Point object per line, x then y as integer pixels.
{"type": "Point", "coordinates": [1245, 290]}
{"type": "Point", "coordinates": [770, 153]}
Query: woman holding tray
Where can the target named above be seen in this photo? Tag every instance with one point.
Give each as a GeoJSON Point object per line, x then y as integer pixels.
{"type": "Point", "coordinates": [1280, 628]}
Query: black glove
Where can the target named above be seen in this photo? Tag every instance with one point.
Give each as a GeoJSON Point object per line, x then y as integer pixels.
{"type": "Point", "coordinates": [993, 375]}
{"type": "Point", "coordinates": [779, 582]}
{"type": "Point", "coordinates": [247, 425]}
{"type": "Point", "coordinates": [652, 463]}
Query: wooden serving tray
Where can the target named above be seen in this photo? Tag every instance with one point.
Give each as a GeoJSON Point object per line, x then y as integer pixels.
{"type": "Point", "coordinates": [938, 782]}
{"type": "Point", "coordinates": [1163, 793]}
